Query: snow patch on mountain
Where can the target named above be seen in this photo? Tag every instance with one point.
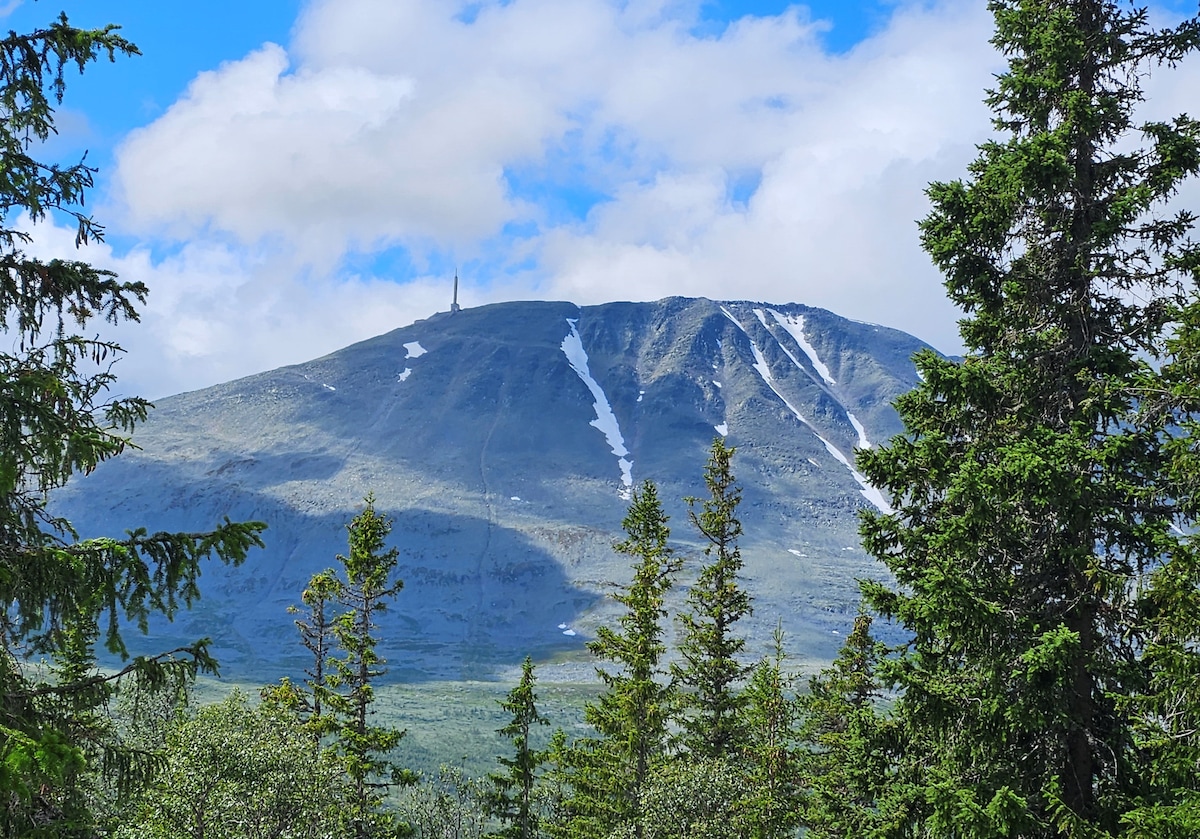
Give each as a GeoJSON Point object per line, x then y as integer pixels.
{"type": "Point", "coordinates": [762, 318]}
{"type": "Point", "coordinates": [412, 349]}
{"type": "Point", "coordinates": [606, 420]}
{"type": "Point", "coordinates": [868, 491]}
{"type": "Point", "coordinates": [863, 442]}
{"type": "Point", "coordinates": [794, 325]}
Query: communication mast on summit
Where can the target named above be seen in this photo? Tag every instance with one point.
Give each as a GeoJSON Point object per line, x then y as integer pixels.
{"type": "Point", "coordinates": [454, 307]}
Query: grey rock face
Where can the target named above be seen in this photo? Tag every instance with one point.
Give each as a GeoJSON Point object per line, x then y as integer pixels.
{"type": "Point", "coordinates": [503, 441]}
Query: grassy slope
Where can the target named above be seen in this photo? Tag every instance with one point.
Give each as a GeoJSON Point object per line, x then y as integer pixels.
{"type": "Point", "coordinates": [451, 723]}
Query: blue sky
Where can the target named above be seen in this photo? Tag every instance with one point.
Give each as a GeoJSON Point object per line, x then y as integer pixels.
{"type": "Point", "coordinates": [289, 176]}
{"type": "Point", "coordinates": [180, 40]}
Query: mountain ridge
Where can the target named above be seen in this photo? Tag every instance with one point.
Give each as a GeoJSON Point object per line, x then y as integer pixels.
{"type": "Point", "coordinates": [504, 440]}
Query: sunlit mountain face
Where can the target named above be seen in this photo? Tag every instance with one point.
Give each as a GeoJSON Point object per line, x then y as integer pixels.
{"type": "Point", "coordinates": [504, 441]}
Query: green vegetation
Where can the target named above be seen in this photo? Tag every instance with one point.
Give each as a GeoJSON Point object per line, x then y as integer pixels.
{"type": "Point", "coordinates": [59, 594]}
{"type": "Point", "coordinates": [632, 714]}
{"type": "Point", "coordinates": [710, 647]}
{"type": "Point", "coordinates": [243, 773]}
{"type": "Point", "coordinates": [774, 756]}
{"type": "Point", "coordinates": [349, 692]}
{"type": "Point", "coordinates": [337, 703]}
{"type": "Point", "coordinates": [848, 769]}
{"type": "Point", "coordinates": [1041, 541]}
{"type": "Point", "coordinates": [1044, 490]}
{"type": "Point", "coordinates": [511, 798]}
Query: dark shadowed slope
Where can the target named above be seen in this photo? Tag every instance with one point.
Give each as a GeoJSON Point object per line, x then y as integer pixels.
{"type": "Point", "coordinates": [503, 441]}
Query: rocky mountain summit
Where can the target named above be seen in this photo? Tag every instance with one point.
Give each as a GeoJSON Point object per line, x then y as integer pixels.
{"type": "Point", "coordinates": [504, 441]}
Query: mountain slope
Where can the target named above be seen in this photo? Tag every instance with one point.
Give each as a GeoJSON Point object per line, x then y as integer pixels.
{"type": "Point", "coordinates": [504, 441]}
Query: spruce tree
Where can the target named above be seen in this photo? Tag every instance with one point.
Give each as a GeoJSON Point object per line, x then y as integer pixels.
{"type": "Point", "coordinates": [363, 747]}
{"type": "Point", "coordinates": [316, 631]}
{"type": "Point", "coordinates": [60, 595]}
{"type": "Point", "coordinates": [771, 752]}
{"type": "Point", "coordinates": [631, 715]}
{"type": "Point", "coordinates": [846, 771]}
{"type": "Point", "coordinates": [320, 600]}
{"type": "Point", "coordinates": [555, 793]}
{"type": "Point", "coordinates": [511, 798]}
{"type": "Point", "coordinates": [1037, 507]}
{"type": "Point", "coordinates": [711, 671]}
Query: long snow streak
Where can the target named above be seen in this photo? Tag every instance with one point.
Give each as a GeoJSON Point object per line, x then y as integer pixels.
{"type": "Point", "coordinates": [794, 324]}
{"type": "Point", "coordinates": [606, 420]}
{"type": "Point", "coordinates": [762, 318]}
{"type": "Point", "coordinates": [863, 442]}
{"type": "Point", "coordinates": [760, 365]}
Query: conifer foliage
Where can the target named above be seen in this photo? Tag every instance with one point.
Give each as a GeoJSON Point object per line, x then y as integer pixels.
{"type": "Point", "coordinates": [60, 594]}
{"type": "Point", "coordinates": [362, 746]}
{"type": "Point", "coordinates": [711, 670]}
{"type": "Point", "coordinates": [846, 763]}
{"type": "Point", "coordinates": [316, 633]}
{"type": "Point", "coordinates": [512, 797]}
{"type": "Point", "coordinates": [772, 753]}
{"type": "Point", "coordinates": [1039, 526]}
{"type": "Point", "coordinates": [631, 715]}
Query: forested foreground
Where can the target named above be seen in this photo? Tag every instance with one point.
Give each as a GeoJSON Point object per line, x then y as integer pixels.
{"type": "Point", "coordinates": [700, 742]}
{"type": "Point", "coordinates": [1044, 503]}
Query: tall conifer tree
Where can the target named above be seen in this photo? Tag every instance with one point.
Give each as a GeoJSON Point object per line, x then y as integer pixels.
{"type": "Point", "coordinates": [846, 770]}
{"type": "Point", "coordinates": [59, 594]}
{"type": "Point", "coordinates": [315, 623]}
{"type": "Point", "coordinates": [363, 747]}
{"type": "Point", "coordinates": [316, 633]}
{"type": "Point", "coordinates": [336, 703]}
{"type": "Point", "coordinates": [512, 797]}
{"type": "Point", "coordinates": [711, 670]}
{"type": "Point", "coordinates": [1035, 504]}
{"type": "Point", "coordinates": [631, 715]}
{"type": "Point", "coordinates": [771, 752]}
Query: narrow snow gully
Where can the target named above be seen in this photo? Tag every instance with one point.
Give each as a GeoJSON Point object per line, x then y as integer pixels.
{"type": "Point", "coordinates": [794, 326]}
{"type": "Point", "coordinates": [868, 491]}
{"type": "Point", "coordinates": [606, 420]}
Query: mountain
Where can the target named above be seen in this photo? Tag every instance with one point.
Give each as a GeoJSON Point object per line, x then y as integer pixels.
{"type": "Point", "coordinates": [504, 441]}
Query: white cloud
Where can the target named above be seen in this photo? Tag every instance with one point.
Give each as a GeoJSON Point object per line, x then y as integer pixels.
{"type": "Point", "coordinates": [833, 220]}
{"type": "Point", "coordinates": [322, 159]}
{"type": "Point", "coordinates": [392, 123]}
{"type": "Point", "coordinates": [217, 313]}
